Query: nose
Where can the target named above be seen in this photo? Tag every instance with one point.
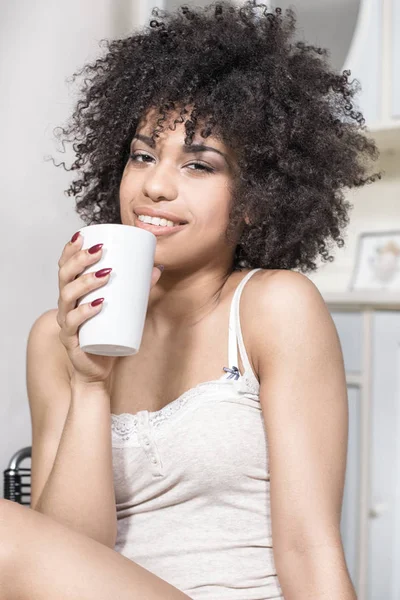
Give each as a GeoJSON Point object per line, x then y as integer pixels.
{"type": "Point", "coordinates": [159, 184]}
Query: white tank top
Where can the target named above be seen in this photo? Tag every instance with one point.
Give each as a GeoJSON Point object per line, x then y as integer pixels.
{"type": "Point", "coordinates": [192, 485]}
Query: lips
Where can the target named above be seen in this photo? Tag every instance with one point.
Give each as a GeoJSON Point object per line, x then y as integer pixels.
{"type": "Point", "coordinates": [159, 230]}
{"type": "Point", "coordinates": [162, 214]}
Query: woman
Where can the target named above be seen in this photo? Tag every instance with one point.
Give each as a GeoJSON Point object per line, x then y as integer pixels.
{"type": "Point", "coordinates": [222, 473]}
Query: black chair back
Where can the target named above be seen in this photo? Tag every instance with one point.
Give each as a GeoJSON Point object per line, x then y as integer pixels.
{"type": "Point", "coordinates": [17, 479]}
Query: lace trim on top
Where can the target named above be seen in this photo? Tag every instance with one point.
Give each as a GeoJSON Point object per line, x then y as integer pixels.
{"type": "Point", "coordinates": [124, 426]}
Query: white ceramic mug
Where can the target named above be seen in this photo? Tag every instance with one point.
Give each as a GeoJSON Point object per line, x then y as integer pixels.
{"type": "Point", "coordinates": [118, 328]}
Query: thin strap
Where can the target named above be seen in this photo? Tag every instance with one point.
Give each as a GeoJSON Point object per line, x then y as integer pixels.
{"type": "Point", "coordinates": [235, 332]}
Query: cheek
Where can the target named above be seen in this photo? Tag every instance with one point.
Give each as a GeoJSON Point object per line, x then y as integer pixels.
{"type": "Point", "coordinates": [212, 203]}
{"type": "Point", "coordinates": [213, 217]}
{"type": "Point", "coordinates": [128, 188]}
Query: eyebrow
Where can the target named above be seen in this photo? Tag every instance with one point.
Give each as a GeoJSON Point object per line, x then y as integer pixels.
{"type": "Point", "coordinates": [187, 149]}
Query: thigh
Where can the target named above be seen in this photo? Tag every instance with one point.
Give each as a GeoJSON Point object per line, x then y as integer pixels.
{"type": "Point", "coordinates": [42, 559]}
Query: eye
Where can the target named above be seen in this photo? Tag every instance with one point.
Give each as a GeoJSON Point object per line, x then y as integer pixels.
{"type": "Point", "coordinates": [200, 166]}
{"type": "Point", "coordinates": [142, 155]}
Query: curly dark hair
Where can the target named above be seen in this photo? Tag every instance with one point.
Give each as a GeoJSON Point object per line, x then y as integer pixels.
{"type": "Point", "coordinates": [276, 102]}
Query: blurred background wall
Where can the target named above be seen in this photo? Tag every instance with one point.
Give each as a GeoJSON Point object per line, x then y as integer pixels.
{"type": "Point", "coordinates": [41, 44]}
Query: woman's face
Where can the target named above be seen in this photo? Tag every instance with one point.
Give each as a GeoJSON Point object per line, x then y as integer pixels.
{"type": "Point", "coordinates": [193, 184]}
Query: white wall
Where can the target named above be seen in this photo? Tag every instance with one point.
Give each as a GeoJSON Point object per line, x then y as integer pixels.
{"type": "Point", "coordinates": [41, 44]}
{"type": "Point", "coordinates": [326, 23]}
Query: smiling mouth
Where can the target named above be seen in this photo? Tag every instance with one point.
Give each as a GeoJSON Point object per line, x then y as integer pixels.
{"type": "Point", "coordinates": [160, 221]}
{"type": "Point", "coordinates": [159, 229]}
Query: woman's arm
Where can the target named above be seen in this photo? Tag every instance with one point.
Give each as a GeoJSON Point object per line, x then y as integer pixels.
{"type": "Point", "coordinates": [304, 401]}
{"type": "Point", "coordinates": [71, 474]}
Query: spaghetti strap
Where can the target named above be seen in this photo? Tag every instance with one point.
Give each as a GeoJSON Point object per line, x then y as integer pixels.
{"type": "Point", "coordinates": [235, 332]}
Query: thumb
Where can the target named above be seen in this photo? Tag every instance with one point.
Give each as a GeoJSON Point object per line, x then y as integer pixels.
{"type": "Point", "coordinates": [156, 274]}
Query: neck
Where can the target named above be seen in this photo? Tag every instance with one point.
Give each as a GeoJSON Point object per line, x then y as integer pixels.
{"type": "Point", "coordinates": [182, 300]}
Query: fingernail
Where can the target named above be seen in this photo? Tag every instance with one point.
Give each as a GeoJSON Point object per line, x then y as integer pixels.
{"type": "Point", "coordinates": [97, 301]}
{"type": "Point", "coordinates": [74, 237]}
{"type": "Point", "coordinates": [103, 272]}
{"type": "Point", "coordinates": [95, 248]}
{"type": "Point", "coordinates": [161, 267]}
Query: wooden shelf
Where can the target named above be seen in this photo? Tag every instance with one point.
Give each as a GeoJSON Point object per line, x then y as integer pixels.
{"type": "Point", "coordinates": [386, 135]}
{"type": "Point", "coordinates": [368, 298]}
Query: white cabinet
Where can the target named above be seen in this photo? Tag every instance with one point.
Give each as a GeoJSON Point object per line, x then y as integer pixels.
{"type": "Point", "coordinates": [374, 59]}
{"type": "Point", "coordinates": [395, 74]}
{"type": "Point", "coordinates": [384, 514]}
{"type": "Point", "coordinates": [369, 332]}
{"type": "Point", "coordinates": [364, 59]}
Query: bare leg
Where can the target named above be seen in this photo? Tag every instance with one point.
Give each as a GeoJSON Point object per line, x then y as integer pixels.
{"type": "Point", "coordinates": [41, 559]}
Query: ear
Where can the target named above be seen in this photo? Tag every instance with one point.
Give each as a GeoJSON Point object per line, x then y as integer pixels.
{"type": "Point", "coordinates": [246, 219]}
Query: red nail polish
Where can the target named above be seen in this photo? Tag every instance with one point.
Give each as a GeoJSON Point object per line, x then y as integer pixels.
{"type": "Point", "coordinates": [103, 272]}
{"type": "Point", "coordinates": [74, 237]}
{"type": "Point", "coordinates": [97, 302]}
{"type": "Point", "coordinates": [95, 248]}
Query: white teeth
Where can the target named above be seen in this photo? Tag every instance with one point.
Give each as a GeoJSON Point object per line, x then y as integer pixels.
{"type": "Point", "coordinates": [156, 221]}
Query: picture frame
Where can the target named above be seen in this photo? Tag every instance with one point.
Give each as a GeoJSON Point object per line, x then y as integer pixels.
{"type": "Point", "coordinates": [377, 264]}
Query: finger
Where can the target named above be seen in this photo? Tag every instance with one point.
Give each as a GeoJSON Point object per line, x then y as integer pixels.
{"type": "Point", "coordinates": [75, 266]}
{"type": "Point", "coordinates": [155, 276]}
{"type": "Point", "coordinates": [76, 289]}
{"type": "Point", "coordinates": [70, 249]}
{"type": "Point", "coordinates": [73, 320]}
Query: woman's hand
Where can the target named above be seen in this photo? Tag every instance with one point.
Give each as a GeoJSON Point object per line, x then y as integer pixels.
{"type": "Point", "coordinates": [89, 368]}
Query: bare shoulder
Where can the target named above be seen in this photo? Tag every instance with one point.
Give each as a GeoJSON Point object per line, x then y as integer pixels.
{"type": "Point", "coordinates": [273, 287]}
{"type": "Point", "coordinates": [44, 339]}
{"type": "Point", "coordinates": [276, 302]}
{"type": "Point", "coordinates": [48, 321]}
